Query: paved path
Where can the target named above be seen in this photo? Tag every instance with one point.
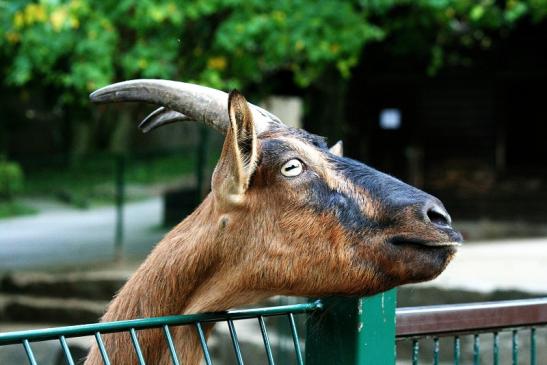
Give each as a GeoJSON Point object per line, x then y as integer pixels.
{"type": "Point", "coordinates": [519, 264]}
{"type": "Point", "coordinates": [77, 236]}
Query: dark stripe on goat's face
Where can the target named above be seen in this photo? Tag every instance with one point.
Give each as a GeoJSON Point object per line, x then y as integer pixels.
{"type": "Point", "coordinates": [343, 207]}
{"type": "Point", "coordinates": [359, 197]}
{"type": "Point", "coordinates": [324, 187]}
{"type": "Point", "coordinates": [391, 195]}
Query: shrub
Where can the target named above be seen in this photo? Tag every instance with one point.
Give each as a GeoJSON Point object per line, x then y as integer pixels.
{"type": "Point", "coordinates": [11, 179]}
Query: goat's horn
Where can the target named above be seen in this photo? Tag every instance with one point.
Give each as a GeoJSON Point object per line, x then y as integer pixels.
{"type": "Point", "coordinates": [161, 116]}
{"type": "Point", "coordinates": [194, 102]}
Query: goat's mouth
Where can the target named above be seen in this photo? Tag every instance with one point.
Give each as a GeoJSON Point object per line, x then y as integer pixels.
{"type": "Point", "coordinates": [424, 244]}
{"type": "Point", "coordinates": [420, 259]}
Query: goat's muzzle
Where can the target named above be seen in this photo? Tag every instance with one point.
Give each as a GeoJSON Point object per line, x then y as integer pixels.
{"type": "Point", "coordinates": [432, 235]}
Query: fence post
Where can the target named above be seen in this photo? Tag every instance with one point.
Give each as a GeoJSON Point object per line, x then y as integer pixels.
{"type": "Point", "coordinates": [120, 200]}
{"type": "Point", "coordinates": [353, 331]}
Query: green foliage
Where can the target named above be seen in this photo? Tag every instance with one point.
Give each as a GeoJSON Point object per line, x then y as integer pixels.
{"type": "Point", "coordinates": [12, 209]}
{"type": "Point", "coordinates": [450, 31]}
{"type": "Point", "coordinates": [11, 179]}
{"type": "Point", "coordinates": [77, 46]}
{"type": "Point", "coordinates": [300, 36]}
{"type": "Point", "coordinates": [467, 25]}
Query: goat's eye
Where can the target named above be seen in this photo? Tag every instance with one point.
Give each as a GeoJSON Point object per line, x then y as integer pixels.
{"type": "Point", "coordinates": [292, 168]}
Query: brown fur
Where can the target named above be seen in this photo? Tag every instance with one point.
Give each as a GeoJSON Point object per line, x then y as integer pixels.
{"type": "Point", "coordinates": [255, 237]}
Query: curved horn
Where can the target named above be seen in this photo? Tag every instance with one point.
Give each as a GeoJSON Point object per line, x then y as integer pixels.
{"type": "Point", "coordinates": [160, 117]}
{"type": "Point", "coordinates": [195, 102]}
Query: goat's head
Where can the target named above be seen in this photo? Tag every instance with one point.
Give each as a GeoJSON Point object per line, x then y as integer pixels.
{"type": "Point", "coordinates": [301, 218]}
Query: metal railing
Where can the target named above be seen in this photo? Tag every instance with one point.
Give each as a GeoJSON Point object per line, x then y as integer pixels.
{"type": "Point", "coordinates": [348, 331]}
{"type": "Point", "coordinates": [25, 338]}
{"type": "Point", "coordinates": [432, 323]}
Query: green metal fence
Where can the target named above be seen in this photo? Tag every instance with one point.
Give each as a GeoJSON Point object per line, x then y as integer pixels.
{"type": "Point", "coordinates": [484, 327]}
{"type": "Point", "coordinates": [25, 338]}
{"type": "Point", "coordinates": [346, 331]}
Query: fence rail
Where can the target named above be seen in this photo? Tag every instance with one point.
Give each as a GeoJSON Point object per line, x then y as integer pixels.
{"type": "Point", "coordinates": [447, 320]}
{"type": "Point", "coordinates": [518, 317]}
{"type": "Point", "coordinates": [348, 331]}
{"type": "Point", "coordinates": [25, 338]}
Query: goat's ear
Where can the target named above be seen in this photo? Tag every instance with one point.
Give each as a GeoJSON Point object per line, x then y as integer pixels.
{"type": "Point", "coordinates": [337, 149]}
{"type": "Point", "coordinates": [239, 154]}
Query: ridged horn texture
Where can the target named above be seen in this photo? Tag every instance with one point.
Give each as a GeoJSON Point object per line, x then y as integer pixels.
{"type": "Point", "coordinates": [181, 102]}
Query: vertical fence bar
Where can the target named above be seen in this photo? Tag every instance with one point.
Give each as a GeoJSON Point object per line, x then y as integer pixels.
{"type": "Point", "coordinates": [296, 340]}
{"type": "Point", "coordinates": [102, 349]}
{"type": "Point", "coordinates": [283, 354]}
{"type": "Point", "coordinates": [457, 350]}
{"type": "Point", "coordinates": [515, 347]}
{"type": "Point", "coordinates": [203, 343]}
{"type": "Point", "coordinates": [30, 354]}
{"type": "Point", "coordinates": [66, 351]}
{"type": "Point", "coordinates": [496, 359]}
{"type": "Point", "coordinates": [137, 347]}
{"type": "Point", "coordinates": [533, 359]}
{"type": "Point", "coordinates": [436, 351]}
{"type": "Point", "coordinates": [266, 340]}
{"type": "Point", "coordinates": [170, 344]}
{"type": "Point", "coordinates": [415, 352]}
{"type": "Point", "coordinates": [353, 331]}
{"type": "Point", "coordinates": [476, 350]}
{"type": "Point", "coordinates": [235, 342]}
{"type": "Point", "coordinates": [120, 198]}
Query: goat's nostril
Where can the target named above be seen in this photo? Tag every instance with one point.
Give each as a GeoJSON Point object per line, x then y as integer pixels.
{"type": "Point", "coordinates": [438, 216]}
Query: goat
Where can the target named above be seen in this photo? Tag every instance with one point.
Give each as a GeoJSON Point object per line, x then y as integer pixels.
{"type": "Point", "coordinates": [286, 216]}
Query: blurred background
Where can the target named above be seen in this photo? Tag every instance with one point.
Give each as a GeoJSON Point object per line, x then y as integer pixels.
{"type": "Point", "coordinates": [444, 94]}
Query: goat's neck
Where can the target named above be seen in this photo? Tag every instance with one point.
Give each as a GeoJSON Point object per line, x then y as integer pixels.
{"type": "Point", "coordinates": [189, 271]}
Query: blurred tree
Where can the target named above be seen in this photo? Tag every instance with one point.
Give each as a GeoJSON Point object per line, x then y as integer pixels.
{"type": "Point", "coordinates": [79, 45]}
{"type": "Point", "coordinates": [76, 46]}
